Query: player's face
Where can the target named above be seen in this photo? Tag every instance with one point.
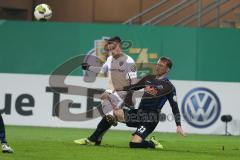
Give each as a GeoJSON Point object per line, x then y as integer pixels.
{"type": "Point", "coordinates": [114, 49]}
{"type": "Point", "coordinates": [161, 68]}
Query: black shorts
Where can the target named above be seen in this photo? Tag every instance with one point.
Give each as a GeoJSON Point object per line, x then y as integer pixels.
{"type": "Point", "coordinates": [144, 120]}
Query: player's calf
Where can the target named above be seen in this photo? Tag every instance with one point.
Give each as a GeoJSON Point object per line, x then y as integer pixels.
{"type": "Point", "coordinates": [119, 115]}
{"type": "Point", "coordinates": [138, 142]}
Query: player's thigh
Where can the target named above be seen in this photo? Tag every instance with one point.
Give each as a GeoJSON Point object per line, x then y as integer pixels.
{"type": "Point", "coordinates": [131, 117]}
{"type": "Point", "coordinates": [116, 98]}
{"type": "Point", "coordinates": [125, 115]}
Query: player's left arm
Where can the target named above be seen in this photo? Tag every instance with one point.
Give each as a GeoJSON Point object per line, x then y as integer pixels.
{"type": "Point", "coordinates": [131, 71]}
{"type": "Point", "coordinates": [172, 98]}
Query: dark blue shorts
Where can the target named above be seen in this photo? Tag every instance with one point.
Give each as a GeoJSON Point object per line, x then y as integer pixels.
{"type": "Point", "coordinates": [144, 120]}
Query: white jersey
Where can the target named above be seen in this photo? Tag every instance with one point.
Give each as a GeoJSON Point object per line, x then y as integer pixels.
{"type": "Point", "coordinates": [121, 71]}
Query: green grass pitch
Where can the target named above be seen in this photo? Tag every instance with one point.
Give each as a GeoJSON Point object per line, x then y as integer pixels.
{"type": "Point", "coordinates": [36, 143]}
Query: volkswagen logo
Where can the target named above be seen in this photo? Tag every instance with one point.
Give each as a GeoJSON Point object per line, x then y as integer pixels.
{"type": "Point", "coordinates": [201, 107]}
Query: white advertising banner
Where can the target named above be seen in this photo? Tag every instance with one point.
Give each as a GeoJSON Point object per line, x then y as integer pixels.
{"type": "Point", "coordinates": [28, 100]}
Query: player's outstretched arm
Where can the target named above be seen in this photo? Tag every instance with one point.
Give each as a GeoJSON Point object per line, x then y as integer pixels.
{"type": "Point", "coordinates": [137, 86]}
{"type": "Point", "coordinates": [88, 67]}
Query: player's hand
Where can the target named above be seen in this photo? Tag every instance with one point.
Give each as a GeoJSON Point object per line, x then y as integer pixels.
{"type": "Point", "coordinates": [85, 66]}
{"type": "Point", "coordinates": [180, 131]}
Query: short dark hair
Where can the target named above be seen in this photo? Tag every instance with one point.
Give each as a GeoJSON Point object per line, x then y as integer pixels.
{"type": "Point", "coordinates": [167, 60]}
{"type": "Point", "coordinates": [114, 39]}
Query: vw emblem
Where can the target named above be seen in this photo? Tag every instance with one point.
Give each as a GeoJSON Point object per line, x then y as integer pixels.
{"type": "Point", "coordinates": [201, 107]}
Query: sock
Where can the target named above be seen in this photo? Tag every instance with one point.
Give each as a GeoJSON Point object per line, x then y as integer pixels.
{"type": "Point", "coordinates": [2, 131]}
{"type": "Point", "coordinates": [102, 127]}
{"type": "Point", "coordinates": [143, 144]}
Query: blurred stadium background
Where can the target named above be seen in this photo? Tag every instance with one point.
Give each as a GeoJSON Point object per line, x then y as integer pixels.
{"type": "Point", "coordinates": [202, 38]}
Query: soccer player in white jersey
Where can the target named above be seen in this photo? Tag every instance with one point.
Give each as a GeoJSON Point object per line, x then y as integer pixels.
{"type": "Point", "coordinates": [121, 71]}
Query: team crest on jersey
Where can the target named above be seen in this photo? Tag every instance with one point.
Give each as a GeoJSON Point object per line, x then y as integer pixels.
{"type": "Point", "coordinates": [121, 63]}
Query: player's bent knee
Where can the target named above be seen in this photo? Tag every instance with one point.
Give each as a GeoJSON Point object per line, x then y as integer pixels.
{"type": "Point", "coordinates": [136, 139]}
{"type": "Point", "coordinates": [116, 112]}
{"type": "Point", "coordinates": [119, 114]}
